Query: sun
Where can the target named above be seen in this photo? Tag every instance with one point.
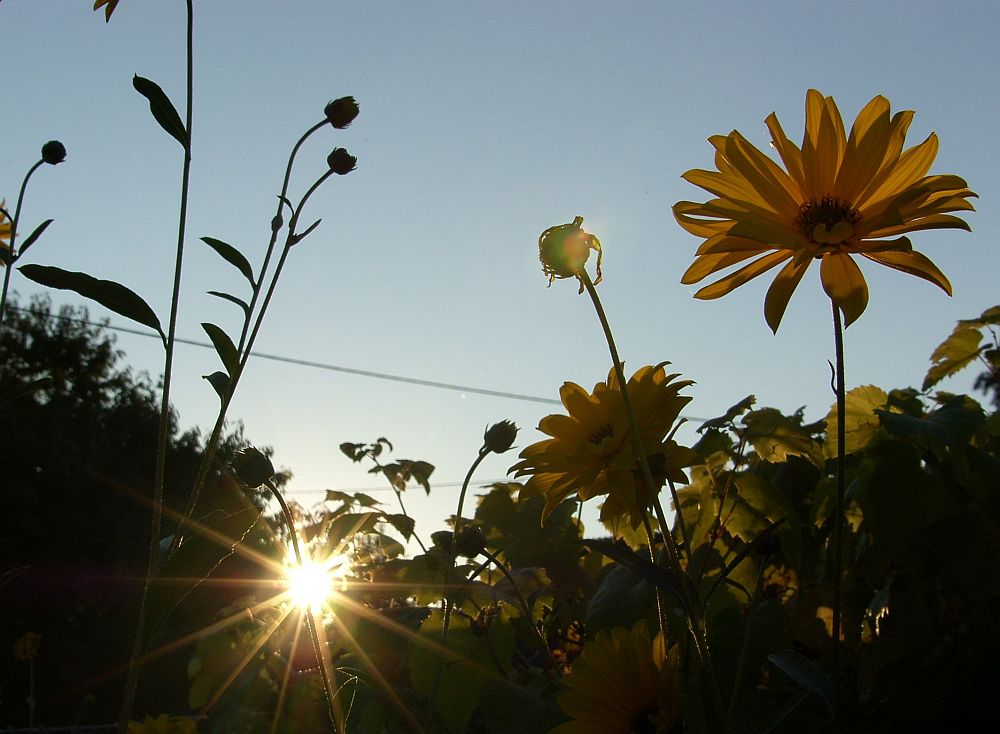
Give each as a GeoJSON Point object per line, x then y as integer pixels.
{"type": "Point", "coordinates": [313, 584]}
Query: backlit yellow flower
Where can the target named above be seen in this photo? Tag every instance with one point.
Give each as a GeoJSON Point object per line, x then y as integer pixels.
{"type": "Point", "coordinates": [590, 450]}
{"type": "Point", "coordinates": [837, 196]}
{"type": "Point", "coordinates": [621, 683]}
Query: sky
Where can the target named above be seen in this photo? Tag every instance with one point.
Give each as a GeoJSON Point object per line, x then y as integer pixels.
{"type": "Point", "coordinates": [481, 125]}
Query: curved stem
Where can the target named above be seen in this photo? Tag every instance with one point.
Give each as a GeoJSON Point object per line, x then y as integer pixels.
{"type": "Point", "coordinates": [696, 623]}
{"type": "Point", "coordinates": [449, 570]}
{"type": "Point", "coordinates": [838, 526]}
{"type": "Point", "coordinates": [13, 233]}
{"type": "Point", "coordinates": [328, 686]}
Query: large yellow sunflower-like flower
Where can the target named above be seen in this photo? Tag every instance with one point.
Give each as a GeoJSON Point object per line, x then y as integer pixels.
{"type": "Point", "coordinates": [590, 451]}
{"type": "Point", "coordinates": [620, 684]}
{"type": "Point", "coordinates": [837, 196]}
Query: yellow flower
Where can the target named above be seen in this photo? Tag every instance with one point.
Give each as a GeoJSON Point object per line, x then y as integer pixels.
{"type": "Point", "coordinates": [621, 683]}
{"type": "Point", "coordinates": [109, 7]}
{"type": "Point", "coordinates": [590, 451]}
{"type": "Point", "coordinates": [163, 724]}
{"type": "Point", "coordinates": [836, 196]}
{"type": "Point", "coordinates": [5, 227]}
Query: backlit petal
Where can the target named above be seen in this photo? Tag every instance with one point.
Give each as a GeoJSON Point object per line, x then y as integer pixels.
{"type": "Point", "coordinates": [843, 282]}
{"type": "Point", "coordinates": [913, 263]}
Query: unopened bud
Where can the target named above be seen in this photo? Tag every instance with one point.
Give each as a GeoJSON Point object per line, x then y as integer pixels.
{"type": "Point", "coordinates": [53, 152]}
{"type": "Point", "coordinates": [341, 162]}
{"type": "Point", "coordinates": [500, 436]}
{"type": "Point", "coordinates": [565, 249]}
{"type": "Point", "coordinates": [341, 112]}
{"type": "Point", "coordinates": [252, 467]}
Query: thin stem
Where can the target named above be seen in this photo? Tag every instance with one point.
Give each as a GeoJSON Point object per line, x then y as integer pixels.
{"type": "Point", "coordinates": [695, 621]}
{"type": "Point", "coordinates": [838, 520]}
{"type": "Point", "coordinates": [152, 560]}
{"type": "Point", "coordinates": [525, 609]}
{"type": "Point", "coordinates": [399, 496]}
{"type": "Point", "coordinates": [449, 570]}
{"type": "Point", "coordinates": [13, 234]}
{"type": "Point", "coordinates": [328, 686]}
{"type": "Point", "coordinates": [745, 648]}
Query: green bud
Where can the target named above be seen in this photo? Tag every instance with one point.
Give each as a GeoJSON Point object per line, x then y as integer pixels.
{"type": "Point", "coordinates": [252, 467]}
{"type": "Point", "coordinates": [500, 436]}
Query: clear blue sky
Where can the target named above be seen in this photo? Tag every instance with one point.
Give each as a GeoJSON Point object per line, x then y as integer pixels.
{"type": "Point", "coordinates": [482, 124]}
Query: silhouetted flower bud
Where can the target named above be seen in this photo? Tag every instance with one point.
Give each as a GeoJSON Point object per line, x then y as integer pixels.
{"type": "Point", "coordinates": [470, 541]}
{"type": "Point", "coordinates": [565, 249]}
{"type": "Point", "coordinates": [341, 162]}
{"type": "Point", "coordinates": [341, 112]}
{"type": "Point", "coordinates": [500, 436]}
{"type": "Point", "coordinates": [53, 152]}
{"type": "Point", "coordinates": [276, 223]}
{"type": "Point", "coordinates": [252, 467]}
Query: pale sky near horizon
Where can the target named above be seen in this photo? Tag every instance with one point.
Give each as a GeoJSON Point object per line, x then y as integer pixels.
{"type": "Point", "coordinates": [481, 125]}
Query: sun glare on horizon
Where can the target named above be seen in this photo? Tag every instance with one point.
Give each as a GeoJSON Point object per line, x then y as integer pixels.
{"type": "Point", "coordinates": [313, 584]}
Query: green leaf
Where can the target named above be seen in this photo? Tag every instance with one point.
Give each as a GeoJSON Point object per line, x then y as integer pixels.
{"type": "Point", "coordinates": [861, 424]}
{"type": "Point", "coordinates": [219, 381]}
{"type": "Point", "coordinates": [34, 236]}
{"type": "Point", "coordinates": [775, 437]}
{"type": "Point", "coordinates": [724, 421]}
{"type": "Point", "coordinates": [162, 108]}
{"type": "Point", "coordinates": [389, 545]}
{"type": "Point", "coordinates": [639, 565]}
{"type": "Point", "coordinates": [622, 599]}
{"type": "Point", "coordinates": [366, 500]}
{"type": "Point", "coordinates": [747, 550]}
{"type": "Point", "coordinates": [404, 524]}
{"type": "Point", "coordinates": [225, 348]}
{"type": "Point", "coordinates": [804, 672]}
{"type": "Point", "coordinates": [352, 523]}
{"type": "Point", "coordinates": [232, 256]}
{"type": "Point", "coordinates": [954, 423]}
{"type": "Point", "coordinates": [232, 299]}
{"type": "Point", "coordinates": [335, 495]}
{"type": "Point", "coordinates": [953, 354]}
{"type": "Point", "coordinates": [109, 294]}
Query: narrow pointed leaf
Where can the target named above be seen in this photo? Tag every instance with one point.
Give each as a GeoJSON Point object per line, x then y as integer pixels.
{"type": "Point", "coordinates": [219, 381]}
{"type": "Point", "coordinates": [804, 672]}
{"type": "Point", "coordinates": [162, 108]}
{"type": "Point", "coordinates": [109, 294]}
{"type": "Point", "coordinates": [231, 255]}
{"type": "Point", "coordinates": [232, 299]}
{"type": "Point", "coordinates": [640, 566]}
{"type": "Point", "coordinates": [224, 346]}
{"type": "Point", "coordinates": [34, 236]}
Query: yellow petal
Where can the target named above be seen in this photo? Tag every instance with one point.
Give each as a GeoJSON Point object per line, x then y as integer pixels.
{"type": "Point", "coordinates": [761, 265]}
{"type": "Point", "coordinates": [865, 149]}
{"type": "Point", "coordinates": [688, 215]}
{"type": "Point", "coordinates": [774, 184]}
{"type": "Point", "coordinates": [844, 283]}
{"type": "Point", "coordinates": [705, 265]}
{"type": "Point", "coordinates": [790, 154]}
{"type": "Point", "coordinates": [781, 290]}
{"type": "Point", "coordinates": [936, 221]}
{"type": "Point", "coordinates": [913, 263]}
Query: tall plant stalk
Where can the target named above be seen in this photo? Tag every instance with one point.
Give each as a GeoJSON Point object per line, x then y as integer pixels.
{"type": "Point", "coordinates": [838, 520]}
{"type": "Point", "coordinates": [152, 561]}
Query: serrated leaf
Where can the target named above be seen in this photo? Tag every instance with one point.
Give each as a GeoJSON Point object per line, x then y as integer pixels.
{"type": "Point", "coordinates": [775, 437]}
{"type": "Point", "coordinates": [738, 559]}
{"type": "Point", "coordinates": [109, 294]}
{"type": "Point", "coordinates": [335, 495]}
{"type": "Point", "coordinates": [723, 421]}
{"type": "Point", "coordinates": [232, 299]}
{"type": "Point", "coordinates": [219, 381]}
{"type": "Point", "coordinates": [953, 354]}
{"type": "Point", "coordinates": [389, 545]}
{"type": "Point", "coordinates": [162, 108]}
{"type": "Point", "coordinates": [349, 524]}
{"type": "Point", "coordinates": [991, 316]}
{"type": "Point", "coordinates": [861, 424]}
{"type": "Point", "coordinates": [404, 524]}
{"type": "Point", "coordinates": [352, 451]}
{"type": "Point", "coordinates": [804, 672]}
{"type": "Point", "coordinates": [366, 500]}
{"type": "Point", "coordinates": [34, 236]}
{"type": "Point", "coordinates": [954, 423]}
{"type": "Point", "coordinates": [224, 347]}
{"type": "Point", "coordinates": [232, 256]}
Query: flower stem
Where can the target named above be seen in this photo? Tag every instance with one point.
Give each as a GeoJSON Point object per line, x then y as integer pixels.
{"type": "Point", "coordinates": [695, 621]}
{"type": "Point", "coordinates": [449, 570]}
{"type": "Point", "coordinates": [152, 560]}
{"type": "Point", "coordinates": [13, 233]}
{"type": "Point", "coordinates": [328, 687]}
{"type": "Point", "coordinates": [838, 520]}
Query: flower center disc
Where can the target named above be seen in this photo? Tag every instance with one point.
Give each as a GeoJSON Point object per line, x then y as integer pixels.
{"type": "Point", "coordinates": [828, 221]}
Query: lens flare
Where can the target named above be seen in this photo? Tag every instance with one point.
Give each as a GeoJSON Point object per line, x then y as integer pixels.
{"type": "Point", "coordinates": [313, 583]}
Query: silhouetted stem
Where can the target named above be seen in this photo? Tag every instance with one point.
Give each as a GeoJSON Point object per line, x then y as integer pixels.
{"type": "Point", "coordinates": [448, 572]}
{"type": "Point", "coordinates": [152, 560]}
{"type": "Point", "coordinates": [328, 687]}
{"type": "Point", "coordinates": [695, 621]}
{"type": "Point", "coordinates": [13, 232]}
{"type": "Point", "coordinates": [838, 526]}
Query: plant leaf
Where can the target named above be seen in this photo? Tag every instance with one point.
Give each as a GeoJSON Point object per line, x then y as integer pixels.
{"type": "Point", "coordinates": [232, 299]}
{"type": "Point", "coordinates": [219, 381]}
{"type": "Point", "coordinates": [861, 424]}
{"type": "Point", "coordinates": [641, 567]}
{"type": "Point", "coordinates": [109, 294]}
{"type": "Point", "coordinates": [953, 354]}
{"type": "Point", "coordinates": [162, 108]}
{"type": "Point", "coordinates": [804, 672]}
{"type": "Point", "coordinates": [34, 236]}
{"type": "Point", "coordinates": [738, 559]}
{"type": "Point", "coordinates": [233, 256]}
{"type": "Point", "coordinates": [224, 346]}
